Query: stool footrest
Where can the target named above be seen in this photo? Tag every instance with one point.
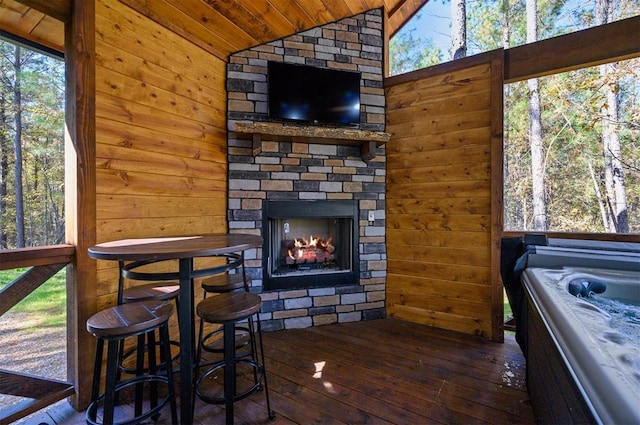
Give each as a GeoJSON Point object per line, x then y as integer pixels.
{"type": "Point", "coordinates": [113, 325]}
{"type": "Point", "coordinates": [134, 350]}
{"type": "Point", "coordinates": [216, 346]}
{"type": "Point", "coordinates": [92, 410]}
{"type": "Point", "coordinates": [257, 386]}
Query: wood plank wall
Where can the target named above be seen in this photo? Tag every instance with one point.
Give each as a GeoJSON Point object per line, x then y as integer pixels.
{"type": "Point", "coordinates": [161, 135]}
{"type": "Point", "coordinates": [440, 229]}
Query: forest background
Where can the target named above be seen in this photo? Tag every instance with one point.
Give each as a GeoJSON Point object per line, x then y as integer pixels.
{"type": "Point", "coordinates": [32, 157]}
{"type": "Point", "coordinates": [571, 140]}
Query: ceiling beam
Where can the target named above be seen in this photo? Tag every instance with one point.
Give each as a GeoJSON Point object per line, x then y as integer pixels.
{"type": "Point", "coordinates": [402, 13]}
{"type": "Point", "coordinates": [593, 46]}
{"type": "Point", "coordinates": [59, 9]}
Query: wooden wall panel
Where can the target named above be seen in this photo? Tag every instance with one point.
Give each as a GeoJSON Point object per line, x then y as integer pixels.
{"type": "Point", "coordinates": [441, 196]}
{"type": "Point", "coordinates": [161, 135]}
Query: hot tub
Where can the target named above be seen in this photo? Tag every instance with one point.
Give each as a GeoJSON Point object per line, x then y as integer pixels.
{"type": "Point", "coordinates": [583, 352]}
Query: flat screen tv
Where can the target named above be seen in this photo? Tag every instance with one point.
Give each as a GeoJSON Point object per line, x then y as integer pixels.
{"type": "Point", "coordinates": [308, 94]}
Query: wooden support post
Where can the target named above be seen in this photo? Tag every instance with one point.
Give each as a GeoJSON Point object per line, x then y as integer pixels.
{"type": "Point", "coordinates": [257, 144]}
{"type": "Point", "coordinates": [368, 151]}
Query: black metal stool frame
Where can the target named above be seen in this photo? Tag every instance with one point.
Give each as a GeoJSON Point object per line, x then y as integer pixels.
{"type": "Point", "coordinates": [144, 277]}
{"type": "Point", "coordinates": [202, 338]}
{"type": "Point", "coordinates": [113, 385]}
{"type": "Point", "coordinates": [229, 362]}
{"type": "Point", "coordinates": [128, 271]}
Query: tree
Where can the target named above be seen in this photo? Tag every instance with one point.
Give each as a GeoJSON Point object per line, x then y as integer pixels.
{"type": "Point", "coordinates": [4, 167]}
{"type": "Point", "coordinates": [535, 131]}
{"type": "Point", "coordinates": [31, 148]}
{"type": "Point", "coordinates": [408, 52]}
{"type": "Point", "coordinates": [17, 149]}
{"type": "Point", "coordinates": [506, 25]}
{"type": "Point", "coordinates": [616, 204]}
{"type": "Point", "coordinates": [459, 28]}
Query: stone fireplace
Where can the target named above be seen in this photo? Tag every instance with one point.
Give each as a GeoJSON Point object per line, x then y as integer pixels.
{"type": "Point", "coordinates": [315, 195]}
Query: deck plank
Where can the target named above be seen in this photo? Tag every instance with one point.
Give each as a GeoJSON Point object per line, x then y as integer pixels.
{"type": "Point", "coordinates": [379, 372]}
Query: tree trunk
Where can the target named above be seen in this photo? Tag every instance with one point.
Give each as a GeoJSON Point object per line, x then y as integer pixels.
{"type": "Point", "coordinates": [535, 131]}
{"type": "Point", "coordinates": [508, 201]}
{"type": "Point", "coordinates": [601, 204]}
{"type": "Point", "coordinates": [459, 28]}
{"type": "Point", "coordinates": [506, 34]}
{"type": "Point", "coordinates": [614, 174]}
{"type": "Point", "coordinates": [17, 146]}
{"type": "Point", "coordinates": [4, 167]}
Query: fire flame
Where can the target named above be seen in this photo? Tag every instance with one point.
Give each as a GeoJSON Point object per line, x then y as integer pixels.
{"type": "Point", "coordinates": [312, 250]}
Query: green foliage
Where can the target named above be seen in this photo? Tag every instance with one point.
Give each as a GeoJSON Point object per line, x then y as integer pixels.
{"type": "Point", "coordinates": [409, 52]}
{"type": "Point", "coordinates": [46, 305]}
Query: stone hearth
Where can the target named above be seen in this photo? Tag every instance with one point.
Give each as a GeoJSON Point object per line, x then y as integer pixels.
{"type": "Point", "coordinates": [304, 171]}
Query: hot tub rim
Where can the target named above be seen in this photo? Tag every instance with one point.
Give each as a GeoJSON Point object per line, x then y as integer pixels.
{"type": "Point", "coordinates": [598, 387]}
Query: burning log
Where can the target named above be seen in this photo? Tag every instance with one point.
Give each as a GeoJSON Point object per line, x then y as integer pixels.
{"type": "Point", "coordinates": [313, 250]}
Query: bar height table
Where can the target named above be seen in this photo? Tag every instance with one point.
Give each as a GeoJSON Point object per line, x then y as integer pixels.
{"type": "Point", "coordinates": [184, 249]}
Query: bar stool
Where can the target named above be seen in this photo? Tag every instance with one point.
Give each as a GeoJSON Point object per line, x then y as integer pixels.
{"type": "Point", "coordinates": [154, 291]}
{"type": "Point", "coordinates": [225, 282]}
{"type": "Point", "coordinates": [227, 309]}
{"type": "Point", "coordinates": [219, 284]}
{"type": "Point", "coordinates": [113, 325]}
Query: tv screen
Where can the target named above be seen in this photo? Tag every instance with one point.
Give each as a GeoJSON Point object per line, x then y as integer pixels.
{"type": "Point", "coordinates": [313, 95]}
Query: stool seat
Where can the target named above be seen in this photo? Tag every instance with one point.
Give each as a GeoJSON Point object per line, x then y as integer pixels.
{"type": "Point", "coordinates": [225, 283]}
{"type": "Point", "coordinates": [161, 291]}
{"type": "Point", "coordinates": [129, 319]}
{"type": "Point", "coordinates": [229, 306]}
{"type": "Point", "coordinates": [153, 291]}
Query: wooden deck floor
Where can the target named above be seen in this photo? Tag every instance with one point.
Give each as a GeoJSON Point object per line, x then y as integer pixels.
{"type": "Point", "coordinates": [376, 372]}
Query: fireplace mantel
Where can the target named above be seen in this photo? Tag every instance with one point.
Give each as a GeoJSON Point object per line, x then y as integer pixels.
{"type": "Point", "coordinates": [271, 131]}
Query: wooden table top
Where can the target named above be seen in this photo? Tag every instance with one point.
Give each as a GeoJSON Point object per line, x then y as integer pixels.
{"type": "Point", "coordinates": [168, 248]}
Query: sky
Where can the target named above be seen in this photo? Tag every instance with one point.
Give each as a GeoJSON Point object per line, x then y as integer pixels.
{"type": "Point", "coordinates": [433, 21]}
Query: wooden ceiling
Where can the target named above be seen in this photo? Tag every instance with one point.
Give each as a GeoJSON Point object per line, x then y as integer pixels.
{"type": "Point", "coordinates": [221, 27]}
{"type": "Point", "coordinates": [32, 24]}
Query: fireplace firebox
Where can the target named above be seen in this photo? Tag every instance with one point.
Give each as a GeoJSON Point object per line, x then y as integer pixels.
{"type": "Point", "coordinates": [309, 244]}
